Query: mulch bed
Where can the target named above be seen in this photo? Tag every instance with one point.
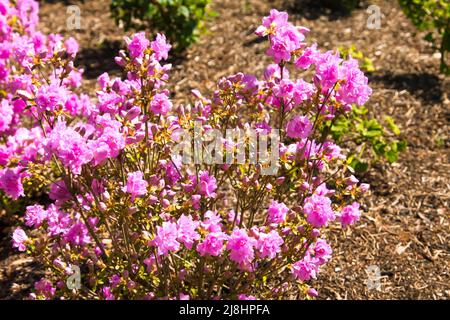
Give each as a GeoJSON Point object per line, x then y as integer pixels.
{"type": "Point", "coordinates": [405, 231]}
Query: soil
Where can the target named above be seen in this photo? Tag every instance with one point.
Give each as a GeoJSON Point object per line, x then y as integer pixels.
{"type": "Point", "coordinates": [405, 231]}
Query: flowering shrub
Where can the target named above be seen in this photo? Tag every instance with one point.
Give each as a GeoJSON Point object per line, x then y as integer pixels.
{"type": "Point", "coordinates": [141, 221]}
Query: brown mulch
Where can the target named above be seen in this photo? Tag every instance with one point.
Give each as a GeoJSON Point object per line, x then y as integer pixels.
{"type": "Point", "coordinates": [405, 232]}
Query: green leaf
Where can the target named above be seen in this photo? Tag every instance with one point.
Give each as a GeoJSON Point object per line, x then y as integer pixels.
{"type": "Point", "coordinates": [392, 126]}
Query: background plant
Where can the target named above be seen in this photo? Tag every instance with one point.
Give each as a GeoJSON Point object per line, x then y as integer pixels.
{"type": "Point", "coordinates": [179, 20]}
{"type": "Point", "coordinates": [432, 16]}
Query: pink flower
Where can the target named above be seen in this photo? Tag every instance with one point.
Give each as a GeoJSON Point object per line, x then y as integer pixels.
{"type": "Point", "coordinates": [186, 231]}
{"type": "Point", "coordinates": [48, 97]}
{"type": "Point", "coordinates": [59, 191]}
{"type": "Point", "coordinates": [275, 20]}
{"type": "Point", "coordinates": [318, 210]}
{"type": "Point", "coordinates": [312, 293]}
{"type": "Point", "coordinates": [355, 88]}
{"type": "Point", "coordinates": [350, 214]}
{"type": "Point", "coordinates": [302, 91]}
{"type": "Point", "coordinates": [58, 221]}
{"type": "Point", "coordinates": [286, 39]}
{"type": "Point", "coordinates": [137, 45]}
{"type": "Point", "coordinates": [160, 47]}
{"type": "Point", "coordinates": [107, 294]}
{"type": "Point", "coordinates": [241, 248]}
{"type": "Point", "coordinates": [35, 215]}
{"type": "Point", "coordinates": [136, 185]}
{"type": "Point", "coordinates": [269, 244]}
{"type": "Point", "coordinates": [322, 251]}
{"type": "Point", "coordinates": [72, 46]}
{"type": "Point", "coordinates": [166, 238]}
{"type": "Point", "coordinates": [11, 182]}
{"type": "Point", "coordinates": [305, 269]}
{"type": "Point", "coordinates": [277, 212]}
{"type": "Point", "coordinates": [299, 127]}
{"type": "Point", "coordinates": [212, 222]}
{"type": "Point", "coordinates": [245, 297]}
{"type": "Point", "coordinates": [69, 146]}
{"type": "Point", "coordinates": [328, 70]}
{"type": "Point", "coordinates": [6, 115]}
{"type": "Point", "coordinates": [212, 244]}
{"type": "Point", "coordinates": [19, 238]}
{"type": "Point", "coordinates": [160, 104]}
{"type": "Point", "coordinates": [45, 288]}
{"type": "Point", "coordinates": [207, 184]}
{"type": "Point", "coordinates": [308, 57]}
{"type": "Point", "coordinates": [78, 234]}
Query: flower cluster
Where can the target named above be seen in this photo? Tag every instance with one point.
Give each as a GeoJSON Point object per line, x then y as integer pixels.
{"type": "Point", "coordinates": [140, 222]}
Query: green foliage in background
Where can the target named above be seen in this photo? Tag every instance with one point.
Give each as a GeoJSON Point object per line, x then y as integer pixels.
{"type": "Point", "coordinates": [369, 140]}
{"type": "Point", "coordinates": [432, 16]}
{"type": "Point", "coordinates": [373, 141]}
{"type": "Point", "coordinates": [179, 20]}
{"type": "Point", "coordinates": [365, 63]}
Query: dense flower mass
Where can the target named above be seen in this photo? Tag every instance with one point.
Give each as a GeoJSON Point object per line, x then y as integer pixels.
{"type": "Point", "coordinates": [140, 220]}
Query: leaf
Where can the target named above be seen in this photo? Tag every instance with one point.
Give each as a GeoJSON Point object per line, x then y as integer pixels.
{"type": "Point", "coordinates": [392, 126]}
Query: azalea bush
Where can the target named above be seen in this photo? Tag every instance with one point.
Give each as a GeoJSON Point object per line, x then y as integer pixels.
{"type": "Point", "coordinates": [432, 16]}
{"type": "Point", "coordinates": [152, 200]}
{"type": "Point", "coordinates": [180, 20]}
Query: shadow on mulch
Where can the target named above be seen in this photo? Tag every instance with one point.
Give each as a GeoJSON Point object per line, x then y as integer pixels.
{"type": "Point", "coordinates": [424, 86]}
{"type": "Point", "coordinates": [314, 9]}
{"type": "Point", "coordinates": [96, 61]}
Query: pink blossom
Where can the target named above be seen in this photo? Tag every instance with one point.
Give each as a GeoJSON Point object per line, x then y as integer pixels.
{"type": "Point", "coordinates": [59, 192]}
{"type": "Point", "coordinates": [309, 56]}
{"type": "Point", "coordinates": [11, 182]}
{"type": "Point", "coordinates": [212, 221]}
{"type": "Point", "coordinates": [45, 288]}
{"type": "Point", "coordinates": [187, 233]}
{"type": "Point", "coordinates": [6, 115]}
{"type": "Point", "coordinates": [305, 269]}
{"type": "Point", "coordinates": [166, 238]}
{"type": "Point", "coordinates": [275, 20]}
{"type": "Point", "coordinates": [48, 97]}
{"type": "Point", "coordinates": [136, 185]}
{"type": "Point", "coordinates": [318, 210]}
{"type": "Point", "coordinates": [246, 297]}
{"type": "Point", "coordinates": [19, 238]}
{"type": "Point", "coordinates": [354, 88]}
{"type": "Point", "coordinates": [69, 146]}
{"type": "Point", "coordinates": [207, 184]}
{"type": "Point", "coordinates": [269, 244]}
{"type": "Point", "coordinates": [350, 214]}
{"type": "Point", "coordinates": [138, 44]}
{"type": "Point", "coordinates": [212, 244]}
{"type": "Point", "coordinates": [160, 104]}
{"type": "Point", "coordinates": [72, 46]}
{"type": "Point", "coordinates": [277, 212]}
{"type": "Point", "coordinates": [35, 216]}
{"type": "Point", "coordinates": [322, 251]}
{"type": "Point", "coordinates": [241, 247]}
{"type": "Point", "coordinates": [160, 47]}
{"type": "Point", "coordinates": [78, 234]}
{"type": "Point", "coordinates": [299, 127]}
